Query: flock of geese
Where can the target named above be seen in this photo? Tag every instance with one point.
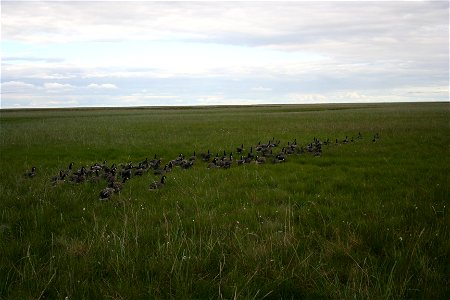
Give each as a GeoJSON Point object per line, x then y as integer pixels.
{"type": "Point", "coordinates": [116, 176]}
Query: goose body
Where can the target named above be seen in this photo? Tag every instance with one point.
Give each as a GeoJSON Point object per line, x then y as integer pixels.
{"type": "Point", "coordinates": [59, 178]}
{"type": "Point", "coordinates": [79, 176]}
{"type": "Point", "coordinates": [117, 185]}
{"type": "Point", "coordinates": [187, 164]}
{"type": "Point", "coordinates": [193, 157]}
{"type": "Point", "coordinates": [161, 171]}
{"type": "Point", "coordinates": [213, 164]}
{"type": "Point", "coordinates": [106, 193]}
{"type": "Point", "coordinates": [126, 173]}
{"type": "Point", "coordinates": [251, 154]}
{"type": "Point", "coordinates": [260, 160]}
{"type": "Point", "coordinates": [206, 156]}
{"type": "Point", "coordinates": [157, 185]}
{"type": "Point", "coordinates": [225, 164]}
{"type": "Point", "coordinates": [32, 173]}
{"type": "Point", "coordinates": [96, 178]}
{"type": "Point", "coordinates": [240, 149]}
{"type": "Point", "coordinates": [140, 169]}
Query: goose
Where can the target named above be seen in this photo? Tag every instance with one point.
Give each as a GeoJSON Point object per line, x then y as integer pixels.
{"type": "Point", "coordinates": [193, 157]}
{"type": "Point", "coordinates": [106, 193]}
{"type": "Point", "coordinates": [277, 160]}
{"type": "Point", "coordinates": [111, 175]}
{"type": "Point", "coordinates": [161, 171]}
{"type": "Point", "coordinates": [213, 164]}
{"type": "Point", "coordinates": [31, 173]}
{"type": "Point", "coordinates": [107, 169]}
{"type": "Point", "coordinates": [117, 185]}
{"type": "Point", "coordinates": [239, 150]}
{"type": "Point", "coordinates": [96, 167]}
{"type": "Point", "coordinates": [104, 165]}
{"type": "Point", "coordinates": [229, 158]}
{"type": "Point", "coordinates": [128, 166]}
{"type": "Point", "coordinates": [80, 171]}
{"type": "Point", "coordinates": [281, 156]}
{"type": "Point", "coordinates": [186, 164]}
{"type": "Point", "coordinates": [241, 161]}
{"type": "Point", "coordinates": [264, 146]}
{"type": "Point", "coordinates": [59, 178]}
{"type": "Point", "coordinates": [345, 141]}
{"type": "Point", "coordinates": [180, 157]}
{"type": "Point", "coordinates": [79, 176]}
{"type": "Point", "coordinates": [248, 159]}
{"type": "Point", "coordinates": [178, 160]}
{"type": "Point", "coordinates": [155, 162]}
{"type": "Point", "coordinates": [139, 170]}
{"type": "Point", "coordinates": [250, 154]}
{"type": "Point", "coordinates": [376, 137]}
{"type": "Point", "coordinates": [70, 166]}
{"type": "Point", "coordinates": [126, 173]}
{"type": "Point", "coordinates": [273, 143]}
{"type": "Point", "coordinates": [266, 152]}
{"type": "Point", "coordinates": [260, 160]}
{"type": "Point", "coordinates": [154, 159]}
{"type": "Point", "coordinates": [206, 156]}
{"type": "Point", "coordinates": [157, 185]}
{"type": "Point", "coordinates": [294, 144]}
{"type": "Point", "coordinates": [144, 164]}
{"type": "Point", "coordinates": [224, 156]}
{"type": "Point", "coordinates": [289, 150]}
{"type": "Point", "coordinates": [96, 178]}
{"type": "Point", "coordinates": [224, 163]}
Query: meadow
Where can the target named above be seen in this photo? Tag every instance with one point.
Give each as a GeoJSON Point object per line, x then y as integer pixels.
{"type": "Point", "coordinates": [363, 220]}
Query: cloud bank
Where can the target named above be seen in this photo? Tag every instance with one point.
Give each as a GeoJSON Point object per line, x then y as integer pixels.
{"type": "Point", "coordinates": [189, 53]}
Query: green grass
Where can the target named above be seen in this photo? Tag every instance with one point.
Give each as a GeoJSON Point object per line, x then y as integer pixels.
{"type": "Point", "coordinates": [364, 220]}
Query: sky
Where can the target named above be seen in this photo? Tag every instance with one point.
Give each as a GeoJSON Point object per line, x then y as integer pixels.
{"type": "Point", "coordinates": [146, 53]}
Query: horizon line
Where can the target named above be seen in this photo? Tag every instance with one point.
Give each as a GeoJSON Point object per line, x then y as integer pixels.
{"type": "Point", "coordinates": [217, 105]}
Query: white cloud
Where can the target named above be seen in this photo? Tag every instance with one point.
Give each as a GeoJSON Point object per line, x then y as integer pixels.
{"type": "Point", "coordinates": [354, 96]}
{"type": "Point", "coordinates": [307, 98]}
{"type": "Point", "coordinates": [16, 86]}
{"type": "Point", "coordinates": [53, 87]}
{"type": "Point", "coordinates": [107, 86]}
{"type": "Point", "coordinates": [261, 89]}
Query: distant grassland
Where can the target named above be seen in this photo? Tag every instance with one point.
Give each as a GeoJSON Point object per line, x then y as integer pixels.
{"type": "Point", "coordinates": [364, 220]}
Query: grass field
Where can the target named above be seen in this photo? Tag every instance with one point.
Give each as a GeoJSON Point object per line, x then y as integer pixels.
{"type": "Point", "coordinates": [364, 220]}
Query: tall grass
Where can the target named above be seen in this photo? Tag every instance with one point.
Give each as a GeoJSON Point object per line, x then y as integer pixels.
{"type": "Point", "coordinates": [364, 220]}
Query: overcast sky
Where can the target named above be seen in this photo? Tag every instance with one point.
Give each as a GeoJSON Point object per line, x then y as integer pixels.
{"type": "Point", "coordinates": [79, 53]}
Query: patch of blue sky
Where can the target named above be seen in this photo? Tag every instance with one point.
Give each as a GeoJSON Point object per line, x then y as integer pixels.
{"type": "Point", "coordinates": [142, 53]}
